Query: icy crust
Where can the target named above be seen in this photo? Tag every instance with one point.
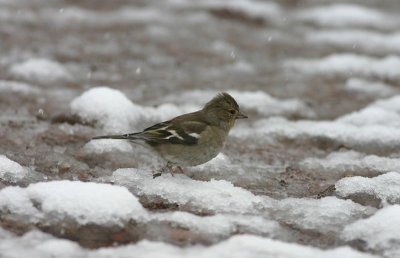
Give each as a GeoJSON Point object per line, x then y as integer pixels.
{"type": "Point", "coordinates": [343, 163]}
{"type": "Point", "coordinates": [347, 15]}
{"type": "Point", "coordinates": [384, 187]}
{"type": "Point", "coordinates": [41, 70]}
{"type": "Point", "coordinates": [62, 200]}
{"type": "Point", "coordinates": [11, 171]}
{"type": "Point", "coordinates": [380, 231]}
{"type": "Point", "coordinates": [197, 196]}
{"type": "Point", "coordinates": [37, 244]}
{"type": "Point", "coordinates": [348, 64]}
{"type": "Point", "coordinates": [326, 215]}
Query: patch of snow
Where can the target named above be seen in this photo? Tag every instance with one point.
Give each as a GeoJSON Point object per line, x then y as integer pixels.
{"type": "Point", "coordinates": [37, 244]}
{"type": "Point", "coordinates": [213, 196]}
{"type": "Point", "coordinates": [107, 145]}
{"type": "Point", "coordinates": [347, 15]}
{"type": "Point", "coordinates": [367, 41]}
{"type": "Point", "coordinates": [17, 87]}
{"type": "Point", "coordinates": [83, 202]}
{"type": "Point", "coordinates": [372, 137]}
{"type": "Point", "coordinates": [349, 65]}
{"type": "Point", "coordinates": [343, 163]}
{"type": "Point", "coordinates": [382, 112]}
{"type": "Point", "coordinates": [244, 172]}
{"type": "Point", "coordinates": [14, 200]}
{"type": "Point", "coordinates": [268, 11]}
{"type": "Point", "coordinates": [115, 113]}
{"type": "Point", "coordinates": [74, 16]}
{"type": "Point", "coordinates": [380, 231]}
{"type": "Point", "coordinates": [372, 88]}
{"type": "Point", "coordinates": [11, 171]}
{"type": "Point", "coordinates": [240, 246]}
{"type": "Point", "coordinates": [40, 69]}
{"type": "Point", "coordinates": [220, 225]}
{"type": "Point", "coordinates": [325, 215]}
{"type": "Point", "coordinates": [384, 187]}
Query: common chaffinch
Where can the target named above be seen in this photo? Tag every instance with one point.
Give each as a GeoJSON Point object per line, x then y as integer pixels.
{"type": "Point", "coordinates": [190, 139]}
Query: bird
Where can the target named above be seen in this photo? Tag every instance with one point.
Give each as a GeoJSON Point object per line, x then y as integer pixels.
{"type": "Point", "coordinates": [190, 139]}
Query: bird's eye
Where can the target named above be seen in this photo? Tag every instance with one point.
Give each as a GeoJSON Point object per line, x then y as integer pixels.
{"type": "Point", "coordinates": [232, 111]}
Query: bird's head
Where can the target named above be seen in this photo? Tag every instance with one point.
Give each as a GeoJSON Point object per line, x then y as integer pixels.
{"type": "Point", "coordinates": [223, 111]}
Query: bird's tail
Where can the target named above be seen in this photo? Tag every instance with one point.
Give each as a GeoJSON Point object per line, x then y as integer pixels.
{"type": "Point", "coordinates": [131, 136]}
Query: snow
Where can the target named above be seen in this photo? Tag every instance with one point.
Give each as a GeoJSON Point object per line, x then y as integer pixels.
{"type": "Point", "coordinates": [372, 128]}
{"type": "Point", "coordinates": [83, 202]}
{"type": "Point", "coordinates": [372, 137]}
{"type": "Point", "coordinates": [17, 87]}
{"type": "Point", "coordinates": [253, 101]}
{"type": "Point", "coordinates": [347, 15]}
{"type": "Point", "coordinates": [10, 170]}
{"type": "Point", "coordinates": [326, 215]}
{"type": "Point", "coordinates": [256, 199]}
{"type": "Point", "coordinates": [268, 11]}
{"type": "Point", "coordinates": [380, 231]}
{"type": "Point", "coordinates": [209, 197]}
{"type": "Point", "coordinates": [370, 88]}
{"type": "Point", "coordinates": [37, 244]}
{"type": "Point", "coordinates": [349, 65]}
{"type": "Point", "coordinates": [41, 70]}
{"type": "Point", "coordinates": [109, 107]}
{"type": "Point", "coordinates": [381, 112]}
{"type": "Point", "coordinates": [344, 163]}
{"type": "Point", "coordinates": [384, 187]}
{"type": "Point", "coordinates": [367, 41]}
{"type": "Point", "coordinates": [219, 225]}
{"type": "Point", "coordinates": [115, 113]}
{"type": "Point", "coordinates": [128, 15]}
{"type": "Point", "coordinates": [106, 145]}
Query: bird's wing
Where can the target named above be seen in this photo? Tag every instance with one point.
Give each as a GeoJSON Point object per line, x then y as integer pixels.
{"type": "Point", "coordinates": [184, 132]}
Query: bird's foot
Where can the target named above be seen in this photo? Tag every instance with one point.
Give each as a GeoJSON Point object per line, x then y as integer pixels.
{"type": "Point", "coordinates": [169, 168]}
{"type": "Point", "coordinates": [179, 170]}
{"type": "Point", "coordinates": [157, 174]}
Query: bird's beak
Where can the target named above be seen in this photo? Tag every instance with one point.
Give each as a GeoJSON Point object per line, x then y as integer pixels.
{"type": "Point", "coordinates": [241, 115]}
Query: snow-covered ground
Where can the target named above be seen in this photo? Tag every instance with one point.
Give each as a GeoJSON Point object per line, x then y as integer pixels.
{"type": "Point", "coordinates": [314, 171]}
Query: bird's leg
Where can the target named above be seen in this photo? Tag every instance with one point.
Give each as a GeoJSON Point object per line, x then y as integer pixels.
{"type": "Point", "coordinates": [180, 169]}
{"type": "Point", "coordinates": [160, 171]}
{"type": "Point", "coordinates": [157, 174]}
{"type": "Point", "coordinates": [169, 168]}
